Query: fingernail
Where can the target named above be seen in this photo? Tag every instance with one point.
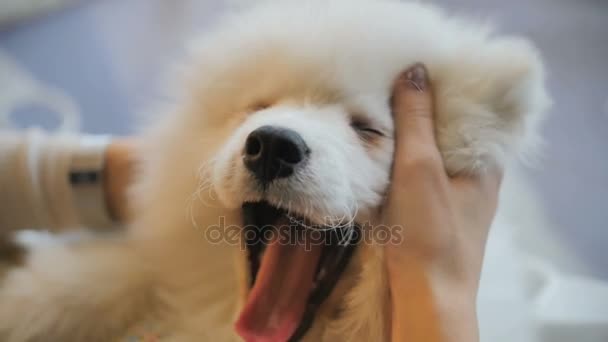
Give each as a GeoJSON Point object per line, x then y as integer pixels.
{"type": "Point", "coordinates": [416, 77]}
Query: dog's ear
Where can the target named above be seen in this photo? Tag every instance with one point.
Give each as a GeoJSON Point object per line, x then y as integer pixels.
{"type": "Point", "coordinates": [516, 77]}
{"type": "Point", "coordinates": [517, 91]}
{"type": "Point", "coordinates": [489, 105]}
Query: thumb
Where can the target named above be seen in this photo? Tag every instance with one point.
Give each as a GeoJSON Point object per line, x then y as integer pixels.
{"type": "Point", "coordinates": [413, 108]}
{"type": "Point", "coordinates": [415, 145]}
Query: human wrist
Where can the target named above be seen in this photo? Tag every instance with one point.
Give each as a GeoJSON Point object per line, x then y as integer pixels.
{"type": "Point", "coordinates": [441, 274]}
{"type": "Point", "coordinates": [430, 304]}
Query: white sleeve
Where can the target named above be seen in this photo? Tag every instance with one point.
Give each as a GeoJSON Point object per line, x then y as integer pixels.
{"type": "Point", "coordinates": [52, 182]}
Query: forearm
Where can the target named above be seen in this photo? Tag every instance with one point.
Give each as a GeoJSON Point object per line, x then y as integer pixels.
{"type": "Point", "coordinates": [427, 307]}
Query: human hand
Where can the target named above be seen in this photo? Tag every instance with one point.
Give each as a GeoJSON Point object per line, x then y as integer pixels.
{"type": "Point", "coordinates": [117, 176]}
{"type": "Point", "coordinates": [446, 222]}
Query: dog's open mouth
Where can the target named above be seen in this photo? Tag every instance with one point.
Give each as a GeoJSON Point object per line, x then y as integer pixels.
{"type": "Point", "coordinates": [294, 266]}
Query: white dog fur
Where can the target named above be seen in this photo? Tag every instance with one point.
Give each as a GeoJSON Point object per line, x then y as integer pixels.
{"type": "Point", "coordinates": [309, 66]}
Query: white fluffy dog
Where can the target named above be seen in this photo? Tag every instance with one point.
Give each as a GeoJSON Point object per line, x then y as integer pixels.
{"type": "Point", "coordinates": [286, 116]}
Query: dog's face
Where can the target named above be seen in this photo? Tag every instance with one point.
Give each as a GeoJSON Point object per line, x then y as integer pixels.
{"type": "Point", "coordinates": [328, 162]}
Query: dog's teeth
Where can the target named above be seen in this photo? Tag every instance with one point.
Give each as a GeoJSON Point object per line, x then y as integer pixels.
{"type": "Point", "coordinates": [321, 274]}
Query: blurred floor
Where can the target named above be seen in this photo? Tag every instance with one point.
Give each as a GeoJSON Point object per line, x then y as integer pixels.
{"type": "Point", "coordinates": [110, 56]}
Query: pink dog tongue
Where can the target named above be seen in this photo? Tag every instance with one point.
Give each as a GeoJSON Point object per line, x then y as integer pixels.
{"type": "Point", "coordinates": [278, 299]}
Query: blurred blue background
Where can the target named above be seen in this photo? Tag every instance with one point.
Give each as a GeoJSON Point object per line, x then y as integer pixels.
{"type": "Point", "coordinates": [110, 56]}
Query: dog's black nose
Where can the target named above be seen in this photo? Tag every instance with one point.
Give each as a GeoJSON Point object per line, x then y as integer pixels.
{"type": "Point", "coordinates": [274, 152]}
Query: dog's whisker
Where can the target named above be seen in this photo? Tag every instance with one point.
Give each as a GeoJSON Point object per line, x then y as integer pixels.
{"type": "Point", "coordinates": [190, 211]}
{"type": "Point", "coordinates": [205, 184]}
{"type": "Point", "coordinates": [345, 237]}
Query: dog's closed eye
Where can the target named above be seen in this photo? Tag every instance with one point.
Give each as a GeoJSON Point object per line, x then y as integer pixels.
{"type": "Point", "coordinates": [365, 129]}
